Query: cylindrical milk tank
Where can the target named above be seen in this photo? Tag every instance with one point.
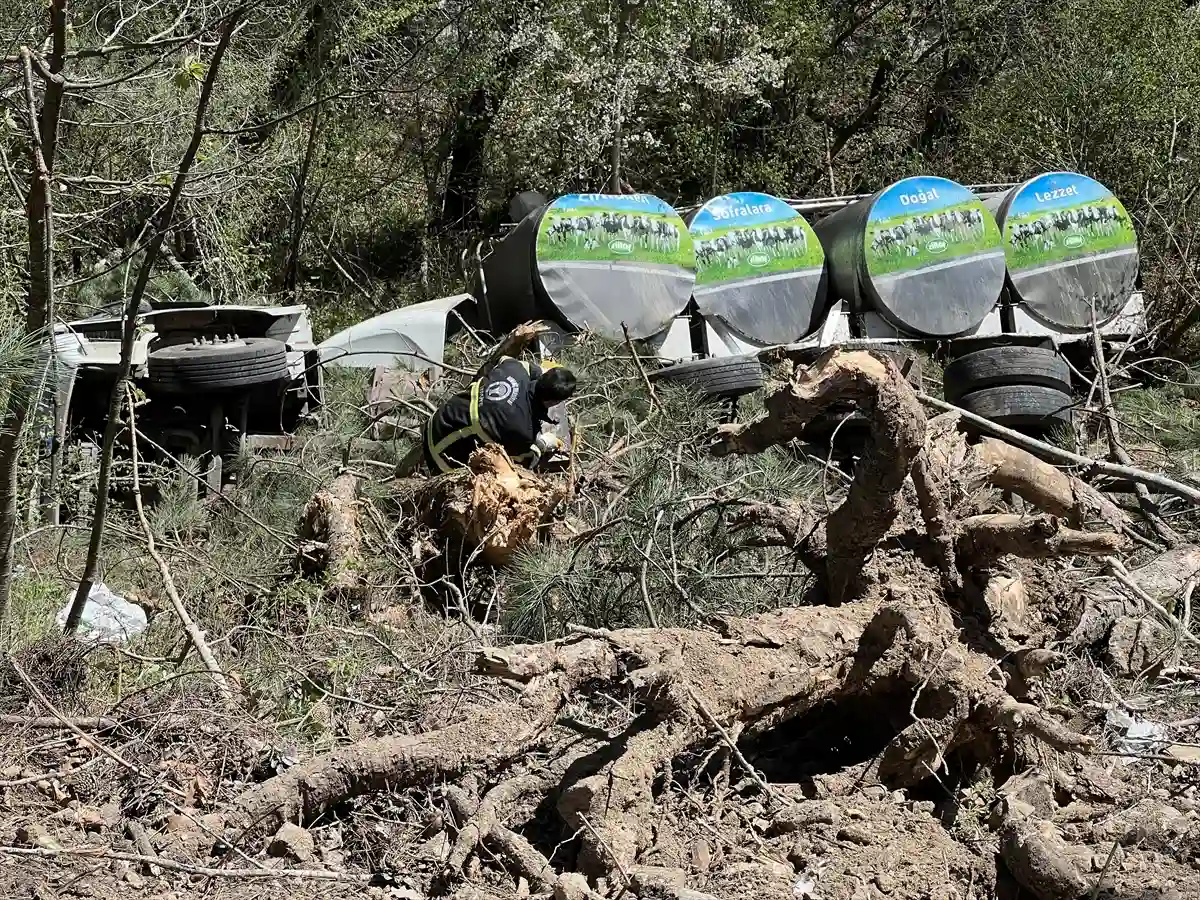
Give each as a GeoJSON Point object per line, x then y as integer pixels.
{"type": "Point", "coordinates": [592, 262]}
{"type": "Point", "coordinates": [759, 267]}
{"type": "Point", "coordinates": [924, 253]}
{"type": "Point", "coordinates": [1070, 248]}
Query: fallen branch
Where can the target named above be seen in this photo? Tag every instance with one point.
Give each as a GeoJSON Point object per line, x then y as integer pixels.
{"type": "Point", "coordinates": [189, 869]}
{"type": "Point", "coordinates": [1165, 575]}
{"type": "Point", "coordinates": [96, 723]}
{"type": "Point", "coordinates": [195, 635]}
{"type": "Point", "coordinates": [331, 540]}
{"type": "Point", "coordinates": [161, 224]}
{"type": "Point", "coordinates": [1117, 450]}
{"type": "Point", "coordinates": [79, 732]}
{"type": "Point", "coordinates": [1049, 451]}
{"type": "Point", "coordinates": [637, 362]}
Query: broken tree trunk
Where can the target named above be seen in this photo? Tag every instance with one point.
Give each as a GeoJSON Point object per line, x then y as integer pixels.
{"type": "Point", "coordinates": [985, 539]}
{"type": "Point", "coordinates": [1165, 577]}
{"type": "Point", "coordinates": [897, 425]}
{"type": "Point", "coordinates": [1091, 467]}
{"type": "Point", "coordinates": [492, 505]}
{"type": "Point", "coordinates": [331, 540]}
{"type": "Point", "coordinates": [1049, 489]}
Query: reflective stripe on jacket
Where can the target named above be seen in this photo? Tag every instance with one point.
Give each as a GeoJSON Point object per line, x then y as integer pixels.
{"type": "Point", "coordinates": [497, 409]}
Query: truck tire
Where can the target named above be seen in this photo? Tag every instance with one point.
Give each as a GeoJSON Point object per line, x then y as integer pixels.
{"type": "Point", "coordinates": [733, 376]}
{"type": "Point", "coordinates": [1021, 406]}
{"type": "Point", "coordinates": [222, 366]}
{"type": "Point", "coordinates": [1001, 366]}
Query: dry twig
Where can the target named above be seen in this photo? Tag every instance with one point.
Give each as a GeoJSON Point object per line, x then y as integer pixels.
{"type": "Point", "coordinates": [195, 635]}
{"type": "Point", "coordinates": [189, 869]}
{"type": "Point", "coordinates": [637, 361]}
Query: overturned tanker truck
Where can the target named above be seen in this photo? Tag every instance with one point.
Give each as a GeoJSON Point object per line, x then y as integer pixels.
{"type": "Point", "coordinates": [1001, 282]}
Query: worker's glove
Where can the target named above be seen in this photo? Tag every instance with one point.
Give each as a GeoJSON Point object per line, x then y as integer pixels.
{"type": "Point", "coordinates": [547, 442]}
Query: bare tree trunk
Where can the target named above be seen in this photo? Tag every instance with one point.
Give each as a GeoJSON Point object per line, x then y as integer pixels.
{"type": "Point", "coordinates": [39, 209]}
{"type": "Point", "coordinates": [1117, 451]}
{"type": "Point", "coordinates": [299, 219]}
{"type": "Point", "coordinates": [623, 24]}
{"type": "Point", "coordinates": [162, 225]}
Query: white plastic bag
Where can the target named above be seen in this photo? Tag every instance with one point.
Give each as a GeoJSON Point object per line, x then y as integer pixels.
{"type": "Point", "coordinates": [108, 618]}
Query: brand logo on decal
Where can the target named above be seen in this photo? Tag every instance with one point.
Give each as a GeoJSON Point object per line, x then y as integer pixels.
{"type": "Point", "coordinates": [758, 260]}
{"type": "Point", "coordinates": [937, 246]}
{"type": "Point", "coordinates": [499, 391]}
{"type": "Point", "coordinates": [622, 247]}
{"type": "Point", "coordinates": [1073, 241]}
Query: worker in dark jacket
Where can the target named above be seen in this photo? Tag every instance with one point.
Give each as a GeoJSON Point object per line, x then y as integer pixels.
{"type": "Point", "coordinates": [506, 407]}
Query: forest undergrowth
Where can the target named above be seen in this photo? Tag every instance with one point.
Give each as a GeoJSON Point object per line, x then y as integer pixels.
{"type": "Point", "coordinates": [731, 667]}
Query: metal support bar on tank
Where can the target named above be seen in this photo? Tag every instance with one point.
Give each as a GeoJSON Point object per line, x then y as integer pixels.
{"type": "Point", "coordinates": [832, 204]}
{"type": "Point", "coordinates": [483, 294]}
{"type": "Point", "coordinates": [821, 204]}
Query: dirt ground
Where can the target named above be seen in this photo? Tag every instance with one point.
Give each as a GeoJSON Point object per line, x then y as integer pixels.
{"type": "Point", "coordinates": [965, 702]}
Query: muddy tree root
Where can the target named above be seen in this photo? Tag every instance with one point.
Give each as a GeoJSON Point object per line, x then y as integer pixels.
{"type": "Point", "coordinates": [760, 672]}
{"type": "Point", "coordinates": [770, 669]}
{"type": "Point", "coordinates": [951, 480]}
{"type": "Point", "coordinates": [897, 424]}
{"type": "Point", "coordinates": [897, 647]}
{"type": "Point", "coordinates": [481, 823]}
{"type": "Point", "coordinates": [482, 828]}
{"type": "Point", "coordinates": [490, 737]}
{"type": "Point", "coordinates": [331, 540]}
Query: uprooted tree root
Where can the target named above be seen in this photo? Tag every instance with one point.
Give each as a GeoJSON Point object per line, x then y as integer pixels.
{"type": "Point", "coordinates": [891, 644]}
{"type": "Point", "coordinates": [492, 506]}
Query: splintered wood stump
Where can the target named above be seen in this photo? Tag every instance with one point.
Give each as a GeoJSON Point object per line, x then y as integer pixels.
{"type": "Point", "coordinates": [331, 540]}
{"type": "Point", "coordinates": [493, 506]}
{"type": "Point", "coordinates": [512, 344]}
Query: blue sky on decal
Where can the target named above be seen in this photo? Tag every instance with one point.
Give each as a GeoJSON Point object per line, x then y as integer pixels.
{"type": "Point", "coordinates": [889, 205]}
{"type": "Point", "coordinates": [1085, 190]}
{"type": "Point", "coordinates": [624, 202]}
{"type": "Point", "coordinates": [740, 208]}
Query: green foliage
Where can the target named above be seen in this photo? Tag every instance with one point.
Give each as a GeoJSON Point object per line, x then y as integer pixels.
{"type": "Point", "coordinates": [179, 511]}
{"type": "Point", "coordinates": [35, 601]}
{"type": "Point", "coordinates": [191, 71]}
{"type": "Point", "coordinates": [669, 525]}
{"type": "Point", "coordinates": [109, 289]}
{"type": "Point", "coordinates": [1166, 413]}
